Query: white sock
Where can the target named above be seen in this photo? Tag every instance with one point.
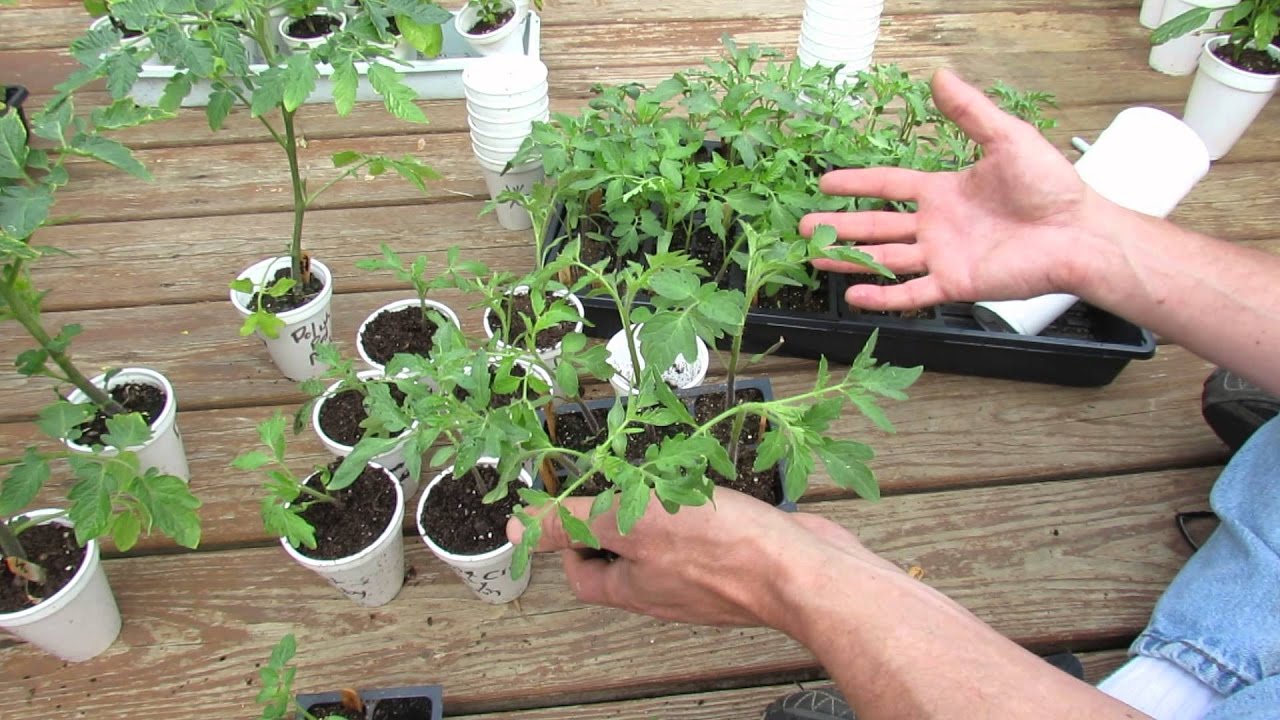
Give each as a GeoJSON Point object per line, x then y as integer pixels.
{"type": "Point", "coordinates": [1160, 689]}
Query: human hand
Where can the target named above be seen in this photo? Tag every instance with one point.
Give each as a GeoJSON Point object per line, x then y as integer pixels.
{"type": "Point", "coordinates": [711, 565]}
{"type": "Point", "coordinates": [1002, 229]}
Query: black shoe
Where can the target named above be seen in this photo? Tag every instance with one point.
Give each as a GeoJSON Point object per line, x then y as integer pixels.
{"type": "Point", "coordinates": [1234, 408]}
{"type": "Point", "coordinates": [826, 703]}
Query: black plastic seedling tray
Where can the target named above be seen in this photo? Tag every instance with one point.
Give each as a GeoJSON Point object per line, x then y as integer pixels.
{"type": "Point", "coordinates": [14, 96]}
{"type": "Point", "coordinates": [427, 701]}
{"type": "Point", "coordinates": [1086, 347]}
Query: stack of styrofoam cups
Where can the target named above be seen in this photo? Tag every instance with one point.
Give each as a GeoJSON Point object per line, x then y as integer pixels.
{"type": "Point", "coordinates": [839, 32]}
{"type": "Point", "coordinates": [505, 95]}
{"type": "Point", "coordinates": [1146, 160]}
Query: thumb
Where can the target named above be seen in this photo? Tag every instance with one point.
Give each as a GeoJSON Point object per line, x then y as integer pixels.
{"type": "Point", "coordinates": [554, 537]}
{"type": "Point", "coordinates": [970, 109]}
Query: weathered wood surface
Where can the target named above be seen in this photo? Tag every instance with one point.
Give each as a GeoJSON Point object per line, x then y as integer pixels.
{"type": "Point", "coordinates": [1053, 565]}
{"type": "Point", "coordinates": [1046, 510]}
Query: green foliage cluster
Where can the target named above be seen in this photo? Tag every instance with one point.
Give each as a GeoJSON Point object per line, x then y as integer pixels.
{"type": "Point", "coordinates": [741, 141]}
{"type": "Point", "coordinates": [207, 43]}
{"type": "Point", "coordinates": [1250, 23]}
{"type": "Point", "coordinates": [111, 495]}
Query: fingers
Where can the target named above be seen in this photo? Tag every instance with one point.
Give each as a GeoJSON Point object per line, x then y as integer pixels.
{"type": "Point", "coordinates": [886, 182]}
{"type": "Point", "coordinates": [867, 226]}
{"type": "Point", "coordinates": [555, 538]}
{"type": "Point", "coordinates": [901, 259]}
{"type": "Point", "coordinates": [918, 293]}
{"type": "Point", "coordinates": [596, 580]}
{"type": "Point", "coordinates": [972, 111]}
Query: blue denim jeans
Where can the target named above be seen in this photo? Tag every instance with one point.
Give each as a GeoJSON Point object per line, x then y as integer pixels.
{"type": "Point", "coordinates": [1220, 618]}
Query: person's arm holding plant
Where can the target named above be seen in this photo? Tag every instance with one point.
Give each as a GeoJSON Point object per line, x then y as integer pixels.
{"type": "Point", "coordinates": [1021, 223]}
{"type": "Point", "coordinates": [896, 647]}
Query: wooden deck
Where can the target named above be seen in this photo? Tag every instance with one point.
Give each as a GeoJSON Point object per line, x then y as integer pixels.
{"type": "Point", "coordinates": [1046, 510]}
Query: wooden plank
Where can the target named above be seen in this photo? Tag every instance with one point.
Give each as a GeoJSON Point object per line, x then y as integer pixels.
{"type": "Point", "coordinates": [177, 261]}
{"type": "Point", "coordinates": [954, 432]}
{"type": "Point", "coordinates": [1084, 575]}
{"type": "Point", "coordinates": [728, 704]}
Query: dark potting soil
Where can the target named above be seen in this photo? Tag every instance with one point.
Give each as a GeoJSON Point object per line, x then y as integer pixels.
{"type": "Point", "coordinates": [573, 433]}
{"type": "Point", "coordinates": [766, 486]}
{"type": "Point", "coordinates": [708, 406]}
{"type": "Point", "coordinates": [705, 247]}
{"type": "Point", "coordinates": [367, 506]}
{"type": "Point", "coordinates": [460, 521]}
{"type": "Point", "coordinates": [519, 307]}
{"type": "Point", "coordinates": [874, 279]}
{"type": "Point", "coordinates": [405, 330]}
{"type": "Point", "coordinates": [334, 710]}
{"type": "Point", "coordinates": [312, 26]}
{"type": "Point", "coordinates": [1250, 60]}
{"type": "Point", "coordinates": [484, 28]}
{"type": "Point", "coordinates": [341, 415]}
{"type": "Point", "coordinates": [135, 397]}
{"type": "Point", "coordinates": [53, 548]}
{"type": "Point", "coordinates": [299, 295]}
{"type": "Point", "coordinates": [418, 708]}
{"type": "Point", "coordinates": [799, 299]}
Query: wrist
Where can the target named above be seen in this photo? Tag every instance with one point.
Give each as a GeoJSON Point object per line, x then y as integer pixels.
{"type": "Point", "coordinates": [1099, 260]}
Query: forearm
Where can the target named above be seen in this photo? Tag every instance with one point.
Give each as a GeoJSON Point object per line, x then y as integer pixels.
{"type": "Point", "coordinates": [899, 649]}
{"type": "Point", "coordinates": [1217, 299]}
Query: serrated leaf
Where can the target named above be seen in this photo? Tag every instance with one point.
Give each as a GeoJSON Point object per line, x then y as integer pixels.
{"type": "Point", "coordinates": [251, 460]}
{"type": "Point", "coordinates": [90, 497]}
{"type": "Point", "coordinates": [178, 88]}
{"type": "Point", "coordinates": [126, 430]}
{"type": "Point", "coordinates": [847, 470]}
{"type": "Point", "coordinates": [23, 483]}
{"type": "Point", "coordinates": [398, 97]}
{"type": "Point", "coordinates": [283, 522]}
{"type": "Point", "coordinates": [110, 152]}
{"type": "Point", "coordinates": [23, 210]}
{"type": "Point", "coordinates": [13, 147]}
{"type": "Point", "coordinates": [61, 419]}
{"type": "Point", "coordinates": [125, 530]}
{"type": "Point", "coordinates": [577, 530]}
{"type": "Point", "coordinates": [345, 82]}
{"type": "Point", "coordinates": [427, 39]}
{"type": "Point", "coordinates": [269, 93]}
{"type": "Point", "coordinates": [221, 101]}
{"type": "Point", "coordinates": [172, 507]}
{"type": "Point", "coordinates": [300, 76]}
{"type": "Point", "coordinates": [126, 113]}
{"type": "Point", "coordinates": [634, 503]}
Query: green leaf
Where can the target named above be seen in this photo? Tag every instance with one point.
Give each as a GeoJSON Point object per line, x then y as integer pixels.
{"type": "Point", "coordinates": [635, 501]}
{"type": "Point", "coordinates": [178, 88]}
{"type": "Point", "coordinates": [283, 522]}
{"type": "Point", "coordinates": [23, 483]}
{"type": "Point", "coordinates": [110, 152]}
{"type": "Point", "coordinates": [251, 460]}
{"type": "Point", "coordinates": [345, 83]}
{"type": "Point", "coordinates": [300, 77]}
{"type": "Point", "coordinates": [126, 431]}
{"type": "Point", "coordinates": [426, 39]}
{"type": "Point", "coordinates": [1181, 25]}
{"type": "Point", "coordinates": [122, 70]}
{"type": "Point", "coordinates": [23, 210]}
{"type": "Point", "coordinates": [846, 468]}
{"type": "Point", "coordinates": [602, 504]}
{"type": "Point", "coordinates": [221, 101]}
{"type": "Point", "coordinates": [126, 113]}
{"type": "Point", "coordinates": [171, 505]}
{"type": "Point", "coordinates": [271, 433]}
{"type": "Point", "coordinates": [125, 531]}
{"type": "Point", "coordinates": [398, 97]}
{"type": "Point", "coordinates": [269, 93]}
{"type": "Point", "coordinates": [90, 497]}
{"type": "Point", "coordinates": [577, 530]}
{"type": "Point", "coordinates": [13, 147]}
{"type": "Point", "coordinates": [61, 419]}
{"type": "Point", "coordinates": [343, 159]}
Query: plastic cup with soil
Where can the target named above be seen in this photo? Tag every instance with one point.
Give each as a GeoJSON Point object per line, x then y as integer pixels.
{"type": "Point", "coordinates": [503, 36]}
{"type": "Point", "coordinates": [304, 33]}
{"type": "Point", "coordinates": [1225, 98]}
{"type": "Point", "coordinates": [146, 392]}
{"type": "Point", "coordinates": [519, 306]}
{"type": "Point", "coordinates": [336, 419]}
{"type": "Point", "coordinates": [682, 374]}
{"type": "Point", "coordinates": [359, 546]}
{"type": "Point", "coordinates": [305, 312]}
{"type": "Point", "coordinates": [404, 326]}
{"type": "Point", "coordinates": [469, 535]}
{"type": "Point", "coordinates": [77, 618]}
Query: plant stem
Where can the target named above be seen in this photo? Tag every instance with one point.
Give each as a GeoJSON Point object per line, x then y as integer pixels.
{"type": "Point", "coordinates": [730, 394]}
{"type": "Point", "coordinates": [299, 200]}
{"type": "Point", "coordinates": [9, 543]}
{"type": "Point", "coordinates": [22, 312]}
